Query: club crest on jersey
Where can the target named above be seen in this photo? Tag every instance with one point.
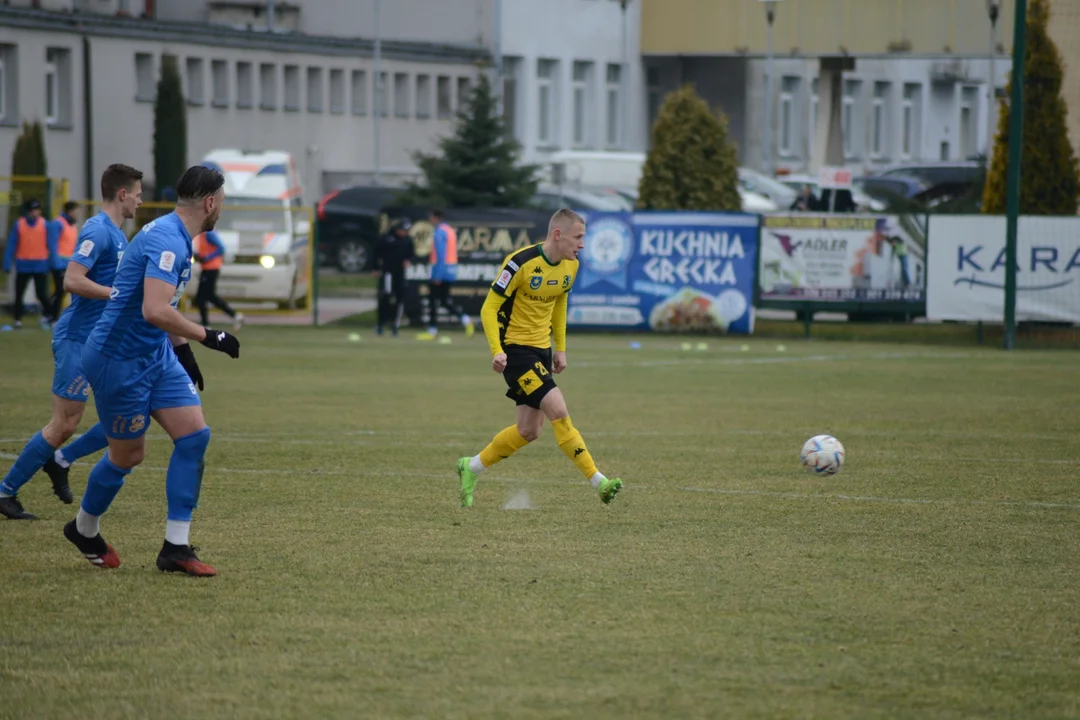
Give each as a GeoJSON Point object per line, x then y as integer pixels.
{"type": "Point", "coordinates": [536, 281]}
{"type": "Point", "coordinates": [566, 281]}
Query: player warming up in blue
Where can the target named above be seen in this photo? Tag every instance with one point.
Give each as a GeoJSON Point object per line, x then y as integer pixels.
{"type": "Point", "coordinates": [140, 366]}
{"type": "Point", "coordinates": [89, 278]}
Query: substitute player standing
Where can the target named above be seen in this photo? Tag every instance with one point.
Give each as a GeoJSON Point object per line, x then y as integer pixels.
{"type": "Point", "coordinates": [89, 278]}
{"type": "Point", "coordinates": [136, 375]}
{"type": "Point", "coordinates": [525, 305]}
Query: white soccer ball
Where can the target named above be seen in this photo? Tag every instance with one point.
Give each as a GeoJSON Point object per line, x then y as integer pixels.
{"type": "Point", "coordinates": [822, 454]}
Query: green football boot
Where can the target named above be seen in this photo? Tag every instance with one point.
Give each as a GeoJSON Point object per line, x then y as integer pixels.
{"type": "Point", "coordinates": [468, 481]}
{"type": "Point", "coordinates": [609, 488]}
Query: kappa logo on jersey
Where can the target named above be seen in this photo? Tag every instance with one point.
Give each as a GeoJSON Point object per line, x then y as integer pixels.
{"type": "Point", "coordinates": [167, 261]}
{"type": "Point", "coordinates": [538, 270]}
{"type": "Point", "coordinates": [86, 248]}
{"type": "Point", "coordinates": [504, 279]}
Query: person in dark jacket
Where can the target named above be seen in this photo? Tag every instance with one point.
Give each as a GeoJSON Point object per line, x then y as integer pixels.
{"type": "Point", "coordinates": [31, 248]}
{"type": "Point", "coordinates": [393, 255]}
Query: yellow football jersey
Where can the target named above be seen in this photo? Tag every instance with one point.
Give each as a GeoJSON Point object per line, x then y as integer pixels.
{"type": "Point", "coordinates": [532, 285]}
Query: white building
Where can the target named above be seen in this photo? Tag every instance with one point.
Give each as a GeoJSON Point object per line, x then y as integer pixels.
{"type": "Point", "coordinates": [895, 110]}
{"type": "Point", "coordinates": [572, 75]}
{"type": "Point", "coordinates": [91, 76]}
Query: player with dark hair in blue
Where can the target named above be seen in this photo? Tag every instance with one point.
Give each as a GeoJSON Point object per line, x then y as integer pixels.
{"type": "Point", "coordinates": [140, 366]}
{"type": "Point", "coordinates": [89, 278]}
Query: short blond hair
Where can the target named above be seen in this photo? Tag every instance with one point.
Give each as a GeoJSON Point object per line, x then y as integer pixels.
{"type": "Point", "coordinates": [565, 218]}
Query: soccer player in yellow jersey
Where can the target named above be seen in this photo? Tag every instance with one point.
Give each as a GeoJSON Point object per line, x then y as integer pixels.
{"type": "Point", "coordinates": [524, 308]}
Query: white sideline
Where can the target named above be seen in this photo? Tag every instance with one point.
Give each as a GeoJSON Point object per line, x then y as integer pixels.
{"type": "Point", "coordinates": [786, 495]}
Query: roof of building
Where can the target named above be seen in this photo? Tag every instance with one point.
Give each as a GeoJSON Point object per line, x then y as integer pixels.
{"type": "Point", "coordinates": [130, 28]}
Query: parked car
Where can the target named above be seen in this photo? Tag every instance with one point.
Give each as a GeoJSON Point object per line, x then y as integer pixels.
{"type": "Point", "coordinates": [863, 199]}
{"type": "Point", "coordinates": [758, 182]}
{"type": "Point", "coordinates": [939, 173]}
{"type": "Point", "coordinates": [348, 221]}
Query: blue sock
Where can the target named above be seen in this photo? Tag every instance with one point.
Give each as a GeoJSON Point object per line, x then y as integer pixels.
{"type": "Point", "coordinates": [184, 478]}
{"type": "Point", "coordinates": [88, 443]}
{"type": "Point", "coordinates": [105, 481]}
{"type": "Point", "coordinates": [36, 453]}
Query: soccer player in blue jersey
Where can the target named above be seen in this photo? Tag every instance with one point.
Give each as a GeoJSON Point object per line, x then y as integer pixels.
{"type": "Point", "coordinates": [139, 365]}
{"type": "Point", "coordinates": [89, 279]}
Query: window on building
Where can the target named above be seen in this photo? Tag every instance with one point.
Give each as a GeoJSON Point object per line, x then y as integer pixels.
{"type": "Point", "coordinates": [145, 89]}
{"type": "Point", "coordinates": [219, 73]}
{"type": "Point", "coordinates": [445, 101]}
{"type": "Point", "coordinates": [359, 92]}
{"type": "Point", "coordinates": [850, 118]}
{"type": "Point", "coordinates": [545, 89]}
{"type": "Point", "coordinates": [382, 95]}
{"type": "Point", "coordinates": [968, 131]}
{"type": "Point", "coordinates": [58, 87]}
{"type": "Point", "coordinates": [337, 91]}
{"type": "Point", "coordinates": [614, 105]}
{"type": "Point", "coordinates": [879, 122]}
{"type": "Point", "coordinates": [268, 86]}
{"type": "Point", "coordinates": [315, 89]}
{"type": "Point", "coordinates": [655, 93]}
{"type": "Point", "coordinates": [464, 88]}
{"type": "Point", "coordinates": [580, 93]}
{"type": "Point", "coordinates": [401, 95]}
{"type": "Point", "coordinates": [52, 94]}
{"type": "Point", "coordinates": [510, 69]}
{"type": "Point", "coordinates": [245, 85]}
{"type": "Point", "coordinates": [909, 119]}
{"type": "Point", "coordinates": [292, 88]}
{"type": "Point", "coordinates": [787, 120]}
{"type": "Point", "coordinates": [3, 83]}
{"type": "Point", "coordinates": [423, 96]}
{"type": "Point", "coordinates": [195, 84]}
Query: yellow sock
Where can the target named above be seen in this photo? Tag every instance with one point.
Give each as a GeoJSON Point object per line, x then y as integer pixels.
{"type": "Point", "coordinates": [505, 444]}
{"type": "Point", "coordinates": [571, 443]}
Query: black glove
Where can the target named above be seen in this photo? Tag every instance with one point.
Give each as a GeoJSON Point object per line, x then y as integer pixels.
{"type": "Point", "coordinates": [187, 359]}
{"type": "Point", "coordinates": [222, 342]}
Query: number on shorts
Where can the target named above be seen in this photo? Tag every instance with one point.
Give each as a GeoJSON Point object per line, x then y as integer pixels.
{"type": "Point", "coordinates": [540, 369]}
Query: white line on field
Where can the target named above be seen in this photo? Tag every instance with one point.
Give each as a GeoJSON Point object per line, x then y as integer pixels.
{"type": "Point", "coordinates": [785, 495]}
{"type": "Point", "coordinates": [768, 360]}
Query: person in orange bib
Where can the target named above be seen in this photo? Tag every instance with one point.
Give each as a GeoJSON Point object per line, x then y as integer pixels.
{"type": "Point", "coordinates": [443, 264]}
{"type": "Point", "coordinates": [30, 247]}
{"type": "Point", "coordinates": [210, 253]}
{"type": "Point", "coordinates": [67, 230]}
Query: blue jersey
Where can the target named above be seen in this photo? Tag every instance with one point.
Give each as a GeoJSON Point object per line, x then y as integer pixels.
{"type": "Point", "coordinates": [161, 250]}
{"type": "Point", "coordinates": [100, 246]}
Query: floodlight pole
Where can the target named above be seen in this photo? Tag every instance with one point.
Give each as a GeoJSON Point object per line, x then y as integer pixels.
{"type": "Point", "coordinates": [377, 105]}
{"type": "Point", "coordinates": [770, 15]}
{"type": "Point", "coordinates": [993, 8]}
{"type": "Point", "coordinates": [1012, 180]}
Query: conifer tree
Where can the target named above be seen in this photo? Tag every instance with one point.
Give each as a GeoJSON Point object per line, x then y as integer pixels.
{"type": "Point", "coordinates": [1049, 175]}
{"type": "Point", "coordinates": [170, 128]}
{"type": "Point", "coordinates": [692, 165]}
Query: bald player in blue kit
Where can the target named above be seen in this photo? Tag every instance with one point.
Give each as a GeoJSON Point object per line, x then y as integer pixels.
{"type": "Point", "coordinates": [140, 365]}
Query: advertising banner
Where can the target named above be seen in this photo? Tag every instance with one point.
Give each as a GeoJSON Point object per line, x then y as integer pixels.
{"type": "Point", "coordinates": [843, 258]}
{"type": "Point", "coordinates": [667, 272]}
{"type": "Point", "coordinates": [484, 238]}
{"type": "Point", "coordinates": [967, 269]}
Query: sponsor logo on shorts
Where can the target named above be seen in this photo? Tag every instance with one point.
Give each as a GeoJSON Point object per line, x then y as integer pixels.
{"type": "Point", "coordinates": [137, 423]}
{"type": "Point", "coordinates": [167, 261]}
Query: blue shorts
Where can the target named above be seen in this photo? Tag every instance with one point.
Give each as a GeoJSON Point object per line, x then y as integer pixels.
{"type": "Point", "coordinates": [126, 392]}
{"type": "Point", "coordinates": [69, 382]}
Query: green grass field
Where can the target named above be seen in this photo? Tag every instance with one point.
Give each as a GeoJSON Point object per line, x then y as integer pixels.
{"type": "Point", "coordinates": [935, 576]}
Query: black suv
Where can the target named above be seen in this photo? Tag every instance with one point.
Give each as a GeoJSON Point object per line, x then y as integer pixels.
{"type": "Point", "coordinates": [348, 221]}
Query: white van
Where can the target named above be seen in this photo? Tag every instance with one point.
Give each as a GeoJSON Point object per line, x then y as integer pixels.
{"type": "Point", "coordinates": [266, 250]}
